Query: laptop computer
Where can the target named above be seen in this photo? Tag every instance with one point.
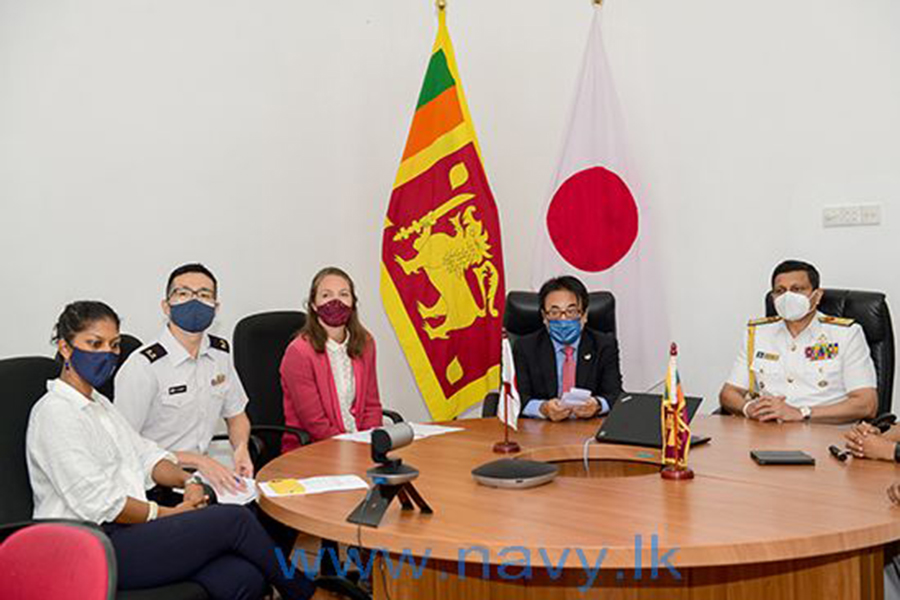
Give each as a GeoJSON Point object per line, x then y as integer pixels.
{"type": "Point", "coordinates": [635, 420]}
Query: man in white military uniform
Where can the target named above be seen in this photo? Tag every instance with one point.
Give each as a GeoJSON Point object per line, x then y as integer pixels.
{"type": "Point", "coordinates": [801, 365]}
{"type": "Point", "coordinates": [176, 389]}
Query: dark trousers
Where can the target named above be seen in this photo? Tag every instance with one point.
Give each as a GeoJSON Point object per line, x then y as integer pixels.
{"type": "Point", "coordinates": [223, 548]}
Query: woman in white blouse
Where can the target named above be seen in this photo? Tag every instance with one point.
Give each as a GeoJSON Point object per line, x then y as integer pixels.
{"type": "Point", "coordinates": [85, 462]}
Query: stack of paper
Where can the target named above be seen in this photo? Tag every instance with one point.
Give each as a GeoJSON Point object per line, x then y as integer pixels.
{"type": "Point", "coordinates": [420, 430]}
{"type": "Point", "coordinates": [245, 496]}
{"type": "Point", "coordinates": [575, 397]}
{"type": "Point", "coordinates": [312, 485]}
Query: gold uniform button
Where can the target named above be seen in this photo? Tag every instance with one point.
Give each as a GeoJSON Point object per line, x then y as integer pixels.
{"type": "Point", "coordinates": [793, 347]}
{"type": "Point", "coordinates": [823, 383]}
{"type": "Point", "coordinates": [790, 380]}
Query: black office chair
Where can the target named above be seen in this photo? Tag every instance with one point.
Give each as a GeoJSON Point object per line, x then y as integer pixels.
{"type": "Point", "coordinates": [870, 310]}
{"type": "Point", "coordinates": [22, 383]}
{"type": "Point", "coordinates": [129, 344]}
{"type": "Point", "coordinates": [260, 341]}
{"type": "Point", "coordinates": [522, 316]}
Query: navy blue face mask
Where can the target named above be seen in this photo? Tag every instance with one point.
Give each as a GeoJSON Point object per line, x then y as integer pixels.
{"type": "Point", "coordinates": [564, 331]}
{"type": "Point", "coordinates": [94, 367]}
{"type": "Point", "coordinates": [192, 316]}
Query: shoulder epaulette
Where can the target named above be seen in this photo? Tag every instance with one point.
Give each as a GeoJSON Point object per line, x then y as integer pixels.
{"type": "Point", "coordinates": [154, 352]}
{"type": "Point", "coordinates": [840, 321]}
{"type": "Point", "coordinates": [762, 321]}
{"type": "Point", "coordinates": [219, 343]}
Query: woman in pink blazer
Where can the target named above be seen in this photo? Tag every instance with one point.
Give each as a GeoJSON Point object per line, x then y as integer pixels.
{"type": "Point", "coordinates": [328, 371]}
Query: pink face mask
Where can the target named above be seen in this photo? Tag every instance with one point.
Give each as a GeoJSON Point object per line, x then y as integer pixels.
{"type": "Point", "coordinates": [334, 313]}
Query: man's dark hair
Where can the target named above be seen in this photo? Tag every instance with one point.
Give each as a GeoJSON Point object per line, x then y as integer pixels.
{"type": "Point", "coordinates": [568, 283]}
{"type": "Point", "coordinates": [191, 268]}
{"type": "Point", "coordinates": [790, 266]}
{"type": "Point", "coordinates": [78, 316]}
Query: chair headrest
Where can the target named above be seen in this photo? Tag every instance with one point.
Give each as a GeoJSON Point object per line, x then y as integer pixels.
{"type": "Point", "coordinates": [869, 309]}
{"type": "Point", "coordinates": [523, 313]}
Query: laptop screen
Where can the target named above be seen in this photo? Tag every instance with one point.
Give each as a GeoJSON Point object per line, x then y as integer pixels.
{"type": "Point", "coordinates": [635, 420]}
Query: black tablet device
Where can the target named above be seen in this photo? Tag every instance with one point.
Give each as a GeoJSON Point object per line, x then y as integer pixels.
{"type": "Point", "coordinates": [782, 457]}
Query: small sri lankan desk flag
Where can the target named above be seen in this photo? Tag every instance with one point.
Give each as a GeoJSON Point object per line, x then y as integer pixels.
{"type": "Point", "coordinates": [675, 427]}
{"type": "Point", "coordinates": [442, 260]}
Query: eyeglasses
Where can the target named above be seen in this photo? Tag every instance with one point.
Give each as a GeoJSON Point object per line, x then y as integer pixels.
{"type": "Point", "coordinates": [570, 313]}
{"type": "Point", "coordinates": [184, 294]}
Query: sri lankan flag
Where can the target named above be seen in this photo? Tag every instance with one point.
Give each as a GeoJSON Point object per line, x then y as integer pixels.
{"type": "Point", "coordinates": [676, 430]}
{"type": "Point", "coordinates": [442, 260]}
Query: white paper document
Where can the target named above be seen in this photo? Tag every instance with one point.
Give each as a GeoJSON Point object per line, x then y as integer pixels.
{"type": "Point", "coordinates": [312, 485]}
{"type": "Point", "coordinates": [420, 431]}
{"type": "Point", "coordinates": [576, 397]}
{"type": "Point", "coordinates": [245, 496]}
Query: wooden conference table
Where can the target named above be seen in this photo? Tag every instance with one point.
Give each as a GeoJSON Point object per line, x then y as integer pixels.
{"type": "Point", "coordinates": [739, 530]}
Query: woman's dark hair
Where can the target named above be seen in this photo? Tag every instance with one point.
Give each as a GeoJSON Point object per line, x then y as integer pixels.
{"type": "Point", "coordinates": [78, 316]}
{"type": "Point", "coordinates": [315, 334]}
{"type": "Point", "coordinates": [569, 284]}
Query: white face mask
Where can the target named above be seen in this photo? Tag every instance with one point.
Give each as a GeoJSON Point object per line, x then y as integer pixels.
{"type": "Point", "coordinates": [792, 306]}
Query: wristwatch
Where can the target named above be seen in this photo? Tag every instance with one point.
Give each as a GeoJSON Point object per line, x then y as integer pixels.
{"type": "Point", "coordinates": [805, 412]}
{"type": "Point", "coordinates": [194, 479]}
{"type": "Point", "coordinates": [897, 453]}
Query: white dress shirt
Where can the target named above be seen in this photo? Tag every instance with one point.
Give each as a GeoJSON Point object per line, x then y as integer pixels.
{"type": "Point", "coordinates": [828, 360]}
{"type": "Point", "coordinates": [342, 372]}
{"type": "Point", "coordinates": [84, 459]}
{"type": "Point", "coordinates": [177, 400]}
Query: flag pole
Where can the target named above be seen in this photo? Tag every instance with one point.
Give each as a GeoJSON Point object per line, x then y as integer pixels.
{"type": "Point", "coordinates": [681, 436]}
{"type": "Point", "coordinates": [506, 446]}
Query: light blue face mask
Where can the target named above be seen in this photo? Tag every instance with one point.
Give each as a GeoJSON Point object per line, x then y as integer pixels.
{"type": "Point", "coordinates": [192, 316]}
{"type": "Point", "coordinates": [564, 331]}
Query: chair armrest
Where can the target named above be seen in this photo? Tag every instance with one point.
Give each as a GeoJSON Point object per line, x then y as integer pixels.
{"type": "Point", "coordinates": [256, 444]}
{"type": "Point", "coordinates": [883, 422]}
{"type": "Point", "coordinates": [301, 434]}
{"type": "Point", "coordinates": [392, 415]}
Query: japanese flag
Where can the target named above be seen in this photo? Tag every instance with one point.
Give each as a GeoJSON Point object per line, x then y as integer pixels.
{"type": "Point", "coordinates": [509, 395]}
{"type": "Point", "coordinates": [595, 228]}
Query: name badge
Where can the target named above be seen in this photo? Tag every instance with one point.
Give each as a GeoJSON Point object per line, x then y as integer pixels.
{"type": "Point", "coordinates": [767, 355]}
{"type": "Point", "coordinates": [177, 389]}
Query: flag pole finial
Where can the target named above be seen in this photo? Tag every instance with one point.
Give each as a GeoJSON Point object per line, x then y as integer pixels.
{"type": "Point", "coordinates": [597, 3]}
{"type": "Point", "coordinates": [442, 4]}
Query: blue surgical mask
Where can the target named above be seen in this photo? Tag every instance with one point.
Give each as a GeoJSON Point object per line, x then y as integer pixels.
{"type": "Point", "coordinates": [564, 331]}
{"type": "Point", "coordinates": [192, 316]}
{"type": "Point", "coordinates": [94, 367]}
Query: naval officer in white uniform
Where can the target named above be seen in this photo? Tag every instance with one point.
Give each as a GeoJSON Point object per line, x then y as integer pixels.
{"type": "Point", "coordinates": [802, 364]}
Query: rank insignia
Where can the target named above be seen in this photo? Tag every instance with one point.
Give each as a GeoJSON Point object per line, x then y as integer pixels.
{"type": "Point", "coordinates": [218, 379]}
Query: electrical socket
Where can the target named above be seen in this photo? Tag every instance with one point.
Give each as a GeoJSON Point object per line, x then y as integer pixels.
{"type": "Point", "coordinates": [851, 215]}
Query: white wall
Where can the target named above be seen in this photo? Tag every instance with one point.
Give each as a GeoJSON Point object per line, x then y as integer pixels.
{"type": "Point", "coordinates": [263, 137]}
